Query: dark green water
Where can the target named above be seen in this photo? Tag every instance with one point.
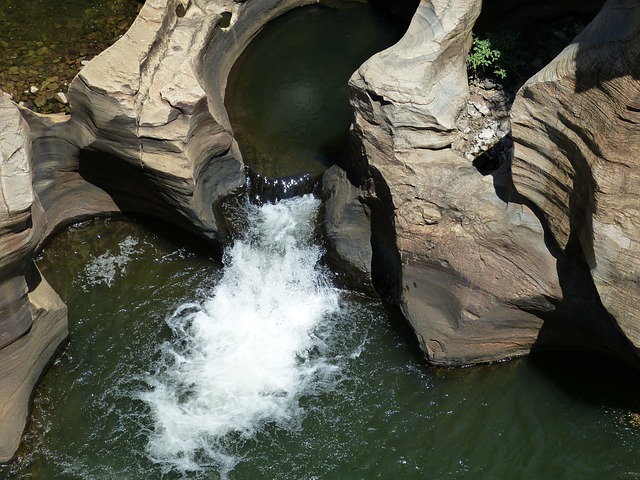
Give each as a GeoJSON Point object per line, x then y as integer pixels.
{"type": "Point", "coordinates": [387, 415]}
{"type": "Point", "coordinates": [287, 95]}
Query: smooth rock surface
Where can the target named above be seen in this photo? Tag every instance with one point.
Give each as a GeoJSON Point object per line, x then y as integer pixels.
{"type": "Point", "coordinates": [33, 320]}
{"type": "Point", "coordinates": [142, 102]}
{"type": "Point", "coordinates": [20, 225]}
{"type": "Point", "coordinates": [475, 275]}
{"type": "Point", "coordinates": [22, 362]}
{"type": "Point", "coordinates": [576, 127]}
{"type": "Point", "coordinates": [347, 226]}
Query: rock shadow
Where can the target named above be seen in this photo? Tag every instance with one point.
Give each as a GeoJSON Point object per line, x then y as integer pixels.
{"type": "Point", "coordinates": [136, 194]}
{"type": "Point", "coordinates": [592, 379]}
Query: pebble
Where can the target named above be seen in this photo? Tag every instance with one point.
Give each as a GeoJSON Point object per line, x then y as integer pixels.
{"type": "Point", "coordinates": [40, 101]}
{"type": "Point", "coordinates": [62, 98]}
{"type": "Point", "coordinates": [34, 89]}
{"type": "Point", "coordinates": [488, 84]}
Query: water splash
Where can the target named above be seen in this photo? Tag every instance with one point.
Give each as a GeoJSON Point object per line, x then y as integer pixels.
{"type": "Point", "coordinates": [245, 356]}
{"type": "Point", "coordinates": [105, 268]}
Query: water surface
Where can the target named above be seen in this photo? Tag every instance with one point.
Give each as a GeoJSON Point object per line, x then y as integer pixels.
{"type": "Point", "coordinates": [287, 95]}
{"type": "Point", "coordinates": [360, 403]}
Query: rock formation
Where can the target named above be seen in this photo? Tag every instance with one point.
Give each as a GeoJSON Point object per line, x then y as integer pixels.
{"type": "Point", "coordinates": [576, 127]}
{"type": "Point", "coordinates": [473, 268]}
{"type": "Point", "coordinates": [33, 320]}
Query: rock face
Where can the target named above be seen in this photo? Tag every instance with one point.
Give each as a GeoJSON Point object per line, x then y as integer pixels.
{"type": "Point", "coordinates": [473, 268]}
{"type": "Point", "coordinates": [33, 320]}
{"type": "Point", "coordinates": [576, 127]}
{"type": "Point", "coordinates": [347, 226]}
{"type": "Point", "coordinates": [476, 273]}
{"type": "Point", "coordinates": [141, 111]}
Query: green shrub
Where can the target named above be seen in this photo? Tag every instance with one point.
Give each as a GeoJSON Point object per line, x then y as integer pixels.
{"type": "Point", "coordinates": [492, 54]}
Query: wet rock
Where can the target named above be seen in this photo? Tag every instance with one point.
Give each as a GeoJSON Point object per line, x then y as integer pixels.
{"type": "Point", "coordinates": [347, 225]}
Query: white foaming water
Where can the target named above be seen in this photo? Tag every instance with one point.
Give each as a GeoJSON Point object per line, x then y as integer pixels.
{"type": "Point", "coordinates": [246, 355]}
{"type": "Point", "coordinates": [103, 269]}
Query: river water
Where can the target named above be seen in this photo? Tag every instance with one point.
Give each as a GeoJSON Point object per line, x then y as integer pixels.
{"type": "Point", "coordinates": [259, 367]}
{"type": "Point", "coordinates": [181, 367]}
{"type": "Point", "coordinates": [288, 98]}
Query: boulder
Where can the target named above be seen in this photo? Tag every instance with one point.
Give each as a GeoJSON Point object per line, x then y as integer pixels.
{"type": "Point", "coordinates": [347, 226]}
{"type": "Point", "coordinates": [576, 128]}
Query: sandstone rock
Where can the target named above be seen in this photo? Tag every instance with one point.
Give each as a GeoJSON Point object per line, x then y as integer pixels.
{"type": "Point", "coordinates": [347, 227]}
{"type": "Point", "coordinates": [473, 275]}
{"type": "Point", "coordinates": [32, 317]}
{"type": "Point", "coordinates": [19, 231]}
{"type": "Point", "coordinates": [576, 127]}
{"type": "Point", "coordinates": [422, 103]}
{"type": "Point", "coordinates": [142, 101]}
{"type": "Point", "coordinates": [22, 362]}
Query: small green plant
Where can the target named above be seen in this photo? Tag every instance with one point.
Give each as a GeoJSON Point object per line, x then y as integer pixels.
{"type": "Point", "coordinates": [484, 56]}
{"type": "Point", "coordinates": [493, 54]}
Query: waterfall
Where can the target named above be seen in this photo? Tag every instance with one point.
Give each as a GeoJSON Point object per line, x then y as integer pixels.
{"type": "Point", "coordinates": [246, 355]}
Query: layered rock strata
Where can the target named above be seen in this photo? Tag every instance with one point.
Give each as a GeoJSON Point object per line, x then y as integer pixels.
{"type": "Point", "coordinates": [476, 273]}
{"type": "Point", "coordinates": [576, 127]}
{"type": "Point", "coordinates": [473, 268]}
{"type": "Point", "coordinates": [33, 321]}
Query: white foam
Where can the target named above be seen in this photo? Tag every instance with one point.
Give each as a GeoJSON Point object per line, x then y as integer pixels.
{"type": "Point", "coordinates": [106, 267]}
{"type": "Point", "coordinates": [246, 355]}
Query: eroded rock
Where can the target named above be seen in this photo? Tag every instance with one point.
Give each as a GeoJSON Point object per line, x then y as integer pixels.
{"type": "Point", "coordinates": [576, 127]}
{"type": "Point", "coordinates": [347, 226]}
{"type": "Point", "coordinates": [475, 275]}
{"type": "Point", "coordinates": [33, 320]}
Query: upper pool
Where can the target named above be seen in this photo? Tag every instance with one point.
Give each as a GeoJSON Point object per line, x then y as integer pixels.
{"type": "Point", "coordinates": [288, 96]}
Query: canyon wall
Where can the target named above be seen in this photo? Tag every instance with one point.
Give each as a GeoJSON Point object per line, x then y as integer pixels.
{"type": "Point", "coordinates": [33, 320]}
{"type": "Point", "coordinates": [485, 265]}
{"type": "Point", "coordinates": [576, 127]}
{"type": "Point", "coordinates": [494, 264]}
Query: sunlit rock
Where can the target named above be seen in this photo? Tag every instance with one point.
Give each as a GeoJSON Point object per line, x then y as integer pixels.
{"type": "Point", "coordinates": [475, 275]}
{"type": "Point", "coordinates": [576, 126]}
{"type": "Point", "coordinates": [33, 319]}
